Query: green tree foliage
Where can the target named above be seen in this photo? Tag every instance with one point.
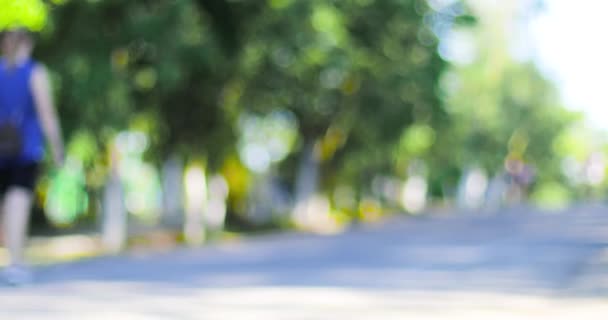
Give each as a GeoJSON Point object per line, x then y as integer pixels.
{"type": "Point", "coordinates": [157, 65]}
{"type": "Point", "coordinates": [363, 79]}
{"type": "Point", "coordinates": [499, 107]}
{"type": "Point", "coordinates": [354, 73]}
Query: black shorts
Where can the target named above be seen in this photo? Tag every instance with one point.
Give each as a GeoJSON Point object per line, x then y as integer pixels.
{"type": "Point", "coordinates": [18, 175]}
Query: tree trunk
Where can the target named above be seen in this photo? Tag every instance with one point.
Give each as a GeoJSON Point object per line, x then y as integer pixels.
{"type": "Point", "coordinates": [114, 226]}
{"type": "Point", "coordinates": [173, 196]}
{"type": "Point", "coordinates": [114, 219]}
{"type": "Point", "coordinates": [307, 181]}
{"type": "Point", "coordinates": [196, 205]}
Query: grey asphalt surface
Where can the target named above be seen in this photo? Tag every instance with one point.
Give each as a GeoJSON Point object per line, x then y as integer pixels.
{"type": "Point", "coordinates": [516, 264]}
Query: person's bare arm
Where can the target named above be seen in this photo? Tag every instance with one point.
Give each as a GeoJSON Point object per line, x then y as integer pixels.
{"type": "Point", "coordinates": [41, 91]}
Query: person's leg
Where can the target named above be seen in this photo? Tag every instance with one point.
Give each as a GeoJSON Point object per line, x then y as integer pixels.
{"type": "Point", "coordinates": [16, 207]}
{"type": "Point", "coordinates": [5, 178]}
{"type": "Point", "coordinates": [16, 212]}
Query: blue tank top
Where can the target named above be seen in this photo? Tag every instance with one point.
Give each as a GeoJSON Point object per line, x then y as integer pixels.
{"type": "Point", "coordinates": [17, 106]}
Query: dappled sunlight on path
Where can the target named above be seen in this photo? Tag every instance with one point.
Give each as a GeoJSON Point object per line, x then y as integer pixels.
{"type": "Point", "coordinates": [516, 265]}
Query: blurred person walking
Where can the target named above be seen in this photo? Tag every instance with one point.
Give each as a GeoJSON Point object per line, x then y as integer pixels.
{"type": "Point", "coordinates": [27, 115]}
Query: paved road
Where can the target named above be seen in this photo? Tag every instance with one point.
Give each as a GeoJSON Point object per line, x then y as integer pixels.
{"type": "Point", "coordinates": [514, 265]}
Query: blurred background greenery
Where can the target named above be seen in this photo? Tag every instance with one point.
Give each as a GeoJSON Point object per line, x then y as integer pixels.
{"type": "Point", "coordinates": [310, 110]}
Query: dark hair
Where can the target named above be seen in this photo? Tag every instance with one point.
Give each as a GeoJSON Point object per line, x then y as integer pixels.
{"type": "Point", "coordinates": [22, 33]}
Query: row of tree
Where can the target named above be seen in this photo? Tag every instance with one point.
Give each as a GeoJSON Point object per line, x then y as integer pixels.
{"type": "Point", "coordinates": [362, 84]}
